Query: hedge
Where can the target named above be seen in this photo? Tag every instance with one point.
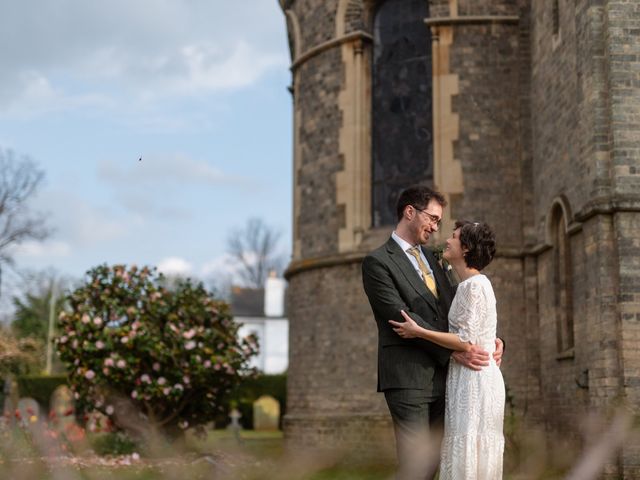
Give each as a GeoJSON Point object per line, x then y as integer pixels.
{"type": "Point", "coordinates": [249, 390]}
{"type": "Point", "coordinates": [39, 387]}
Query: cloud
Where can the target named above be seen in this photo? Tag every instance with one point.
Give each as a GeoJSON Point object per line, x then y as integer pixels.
{"type": "Point", "coordinates": [224, 265]}
{"type": "Point", "coordinates": [175, 266]}
{"type": "Point", "coordinates": [43, 249]}
{"type": "Point", "coordinates": [160, 185]}
{"type": "Point", "coordinates": [70, 54]}
{"type": "Point", "coordinates": [163, 169]}
{"type": "Point", "coordinates": [78, 223]}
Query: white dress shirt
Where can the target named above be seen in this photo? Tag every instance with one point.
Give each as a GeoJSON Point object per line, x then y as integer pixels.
{"type": "Point", "coordinates": [404, 245]}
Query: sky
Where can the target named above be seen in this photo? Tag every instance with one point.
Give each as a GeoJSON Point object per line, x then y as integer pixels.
{"type": "Point", "coordinates": [197, 89]}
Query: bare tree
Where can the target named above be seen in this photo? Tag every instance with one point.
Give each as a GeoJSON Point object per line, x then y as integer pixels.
{"type": "Point", "coordinates": [255, 247]}
{"type": "Point", "coordinates": [19, 181]}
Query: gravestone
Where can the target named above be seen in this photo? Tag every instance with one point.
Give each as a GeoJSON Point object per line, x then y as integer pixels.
{"type": "Point", "coordinates": [266, 413]}
{"type": "Point", "coordinates": [235, 426]}
{"type": "Point", "coordinates": [28, 410]}
{"type": "Point", "coordinates": [61, 411]}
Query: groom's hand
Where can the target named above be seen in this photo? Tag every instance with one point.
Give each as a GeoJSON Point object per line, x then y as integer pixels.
{"type": "Point", "coordinates": [497, 355]}
{"type": "Point", "coordinates": [475, 359]}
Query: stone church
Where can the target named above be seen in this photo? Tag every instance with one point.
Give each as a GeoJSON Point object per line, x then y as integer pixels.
{"type": "Point", "coordinates": [526, 115]}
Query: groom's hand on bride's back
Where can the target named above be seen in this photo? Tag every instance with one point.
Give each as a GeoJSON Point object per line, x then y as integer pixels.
{"type": "Point", "coordinates": [497, 355]}
{"type": "Point", "coordinates": [475, 359]}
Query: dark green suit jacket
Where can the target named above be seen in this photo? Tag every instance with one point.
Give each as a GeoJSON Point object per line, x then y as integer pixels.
{"type": "Point", "coordinates": [392, 284]}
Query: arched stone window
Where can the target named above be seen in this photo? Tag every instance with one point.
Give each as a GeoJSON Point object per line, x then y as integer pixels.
{"type": "Point", "coordinates": [402, 126]}
{"type": "Point", "coordinates": [562, 281]}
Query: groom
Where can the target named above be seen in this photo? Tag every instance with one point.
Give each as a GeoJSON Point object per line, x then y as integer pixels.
{"type": "Point", "coordinates": [402, 275]}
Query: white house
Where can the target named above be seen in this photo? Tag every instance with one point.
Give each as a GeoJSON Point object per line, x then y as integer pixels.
{"type": "Point", "coordinates": [261, 312]}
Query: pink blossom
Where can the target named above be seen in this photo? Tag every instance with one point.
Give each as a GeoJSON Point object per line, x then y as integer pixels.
{"type": "Point", "coordinates": [166, 390]}
{"type": "Point", "coordinates": [90, 375]}
{"type": "Point", "coordinates": [97, 321]}
{"type": "Point", "coordinates": [183, 424]}
{"type": "Point", "coordinates": [106, 371]}
{"type": "Point", "coordinates": [156, 366]}
{"type": "Point", "coordinates": [190, 345]}
{"type": "Point", "coordinates": [162, 381]}
{"type": "Point", "coordinates": [108, 362]}
{"type": "Point", "coordinates": [99, 344]}
{"type": "Point", "coordinates": [145, 378]}
{"type": "Point", "coordinates": [109, 410]}
{"type": "Point", "coordinates": [63, 339]}
{"type": "Point", "coordinates": [85, 318]}
{"type": "Point", "coordinates": [186, 379]}
{"type": "Point", "coordinates": [178, 386]}
{"type": "Point", "coordinates": [207, 364]}
{"type": "Point", "coordinates": [124, 339]}
{"type": "Point", "coordinates": [189, 334]}
{"type": "Point", "coordinates": [121, 363]}
{"type": "Point", "coordinates": [216, 366]}
{"type": "Point", "coordinates": [134, 394]}
{"type": "Point", "coordinates": [74, 344]}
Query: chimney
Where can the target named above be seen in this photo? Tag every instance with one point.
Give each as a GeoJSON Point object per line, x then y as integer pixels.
{"type": "Point", "coordinates": [274, 295]}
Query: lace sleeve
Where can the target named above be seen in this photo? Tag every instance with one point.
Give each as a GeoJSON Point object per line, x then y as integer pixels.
{"type": "Point", "coordinates": [471, 306]}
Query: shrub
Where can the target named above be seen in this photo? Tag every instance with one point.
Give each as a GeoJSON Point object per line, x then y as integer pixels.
{"type": "Point", "coordinates": [145, 355]}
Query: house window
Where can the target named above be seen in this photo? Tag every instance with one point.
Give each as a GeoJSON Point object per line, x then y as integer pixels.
{"type": "Point", "coordinates": [562, 283]}
{"type": "Point", "coordinates": [402, 125]}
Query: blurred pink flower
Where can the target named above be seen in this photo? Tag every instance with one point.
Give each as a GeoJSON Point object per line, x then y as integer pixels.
{"type": "Point", "coordinates": [97, 321]}
{"type": "Point", "coordinates": [121, 363]}
{"type": "Point", "coordinates": [156, 366]}
{"type": "Point", "coordinates": [162, 381]}
{"type": "Point", "coordinates": [108, 362]}
{"type": "Point", "coordinates": [85, 318]}
{"type": "Point", "coordinates": [190, 345]}
{"type": "Point", "coordinates": [145, 378]}
{"type": "Point", "coordinates": [134, 394]}
{"type": "Point", "coordinates": [90, 375]}
{"type": "Point", "coordinates": [124, 339]}
{"type": "Point", "coordinates": [99, 344]}
{"type": "Point", "coordinates": [189, 334]}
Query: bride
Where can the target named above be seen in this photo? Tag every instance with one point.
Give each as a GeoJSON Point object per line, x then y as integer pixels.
{"type": "Point", "coordinates": [473, 442]}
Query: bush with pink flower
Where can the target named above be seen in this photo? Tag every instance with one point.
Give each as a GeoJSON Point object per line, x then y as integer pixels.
{"type": "Point", "coordinates": [171, 355]}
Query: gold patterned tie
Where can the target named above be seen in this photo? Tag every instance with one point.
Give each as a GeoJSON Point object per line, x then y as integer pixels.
{"type": "Point", "coordinates": [426, 274]}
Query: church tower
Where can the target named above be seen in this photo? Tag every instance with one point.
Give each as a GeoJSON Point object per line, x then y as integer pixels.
{"type": "Point", "coordinates": [526, 115]}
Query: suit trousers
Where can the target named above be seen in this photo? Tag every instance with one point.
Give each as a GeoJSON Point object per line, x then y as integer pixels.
{"type": "Point", "coordinates": [418, 421]}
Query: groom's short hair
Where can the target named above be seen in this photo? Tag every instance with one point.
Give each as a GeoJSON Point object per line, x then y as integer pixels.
{"type": "Point", "coordinates": [419, 197]}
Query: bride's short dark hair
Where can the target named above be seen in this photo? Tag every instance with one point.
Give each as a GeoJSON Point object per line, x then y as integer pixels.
{"type": "Point", "coordinates": [480, 241]}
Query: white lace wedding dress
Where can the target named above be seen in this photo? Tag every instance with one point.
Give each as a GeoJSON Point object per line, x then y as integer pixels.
{"type": "Point", "coordinates": [473, 442]}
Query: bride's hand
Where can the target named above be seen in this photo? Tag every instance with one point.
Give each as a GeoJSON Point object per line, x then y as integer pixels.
{"type": "Point", "coordinates": [407, 329]}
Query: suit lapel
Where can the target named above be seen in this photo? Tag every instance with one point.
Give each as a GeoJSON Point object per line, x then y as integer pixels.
{"type": "Point", "coordinates": [404, 264]}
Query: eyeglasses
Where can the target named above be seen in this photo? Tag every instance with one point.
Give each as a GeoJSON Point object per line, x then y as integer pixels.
{"type": "Point", "coordinates": [433, 220]}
